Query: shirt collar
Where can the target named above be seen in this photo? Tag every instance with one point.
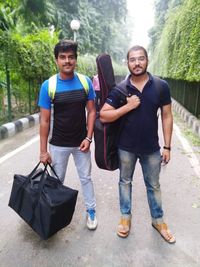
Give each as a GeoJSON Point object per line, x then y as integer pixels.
{"type": "Point", "coordinates": [128, 83]}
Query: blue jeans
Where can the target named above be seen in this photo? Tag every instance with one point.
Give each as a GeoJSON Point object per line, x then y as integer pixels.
{"type": "Point", "coordinates": [150, 164]}
{"type": "Point", "coordinates": [60, 156]}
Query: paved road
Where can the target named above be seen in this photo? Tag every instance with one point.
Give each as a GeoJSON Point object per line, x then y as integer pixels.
{"type": "Point", "coordinates": [76, 246]}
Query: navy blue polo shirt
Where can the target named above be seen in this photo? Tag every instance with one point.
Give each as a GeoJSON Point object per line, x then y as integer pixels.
{"type": "Point", "coordinates": [139, 127]}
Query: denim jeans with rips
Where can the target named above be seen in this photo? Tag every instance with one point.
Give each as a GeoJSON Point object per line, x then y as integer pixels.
{"type": "Point", "coordinates": [60, 156]}
{"type": "Point", "coordinates": [151, 164]}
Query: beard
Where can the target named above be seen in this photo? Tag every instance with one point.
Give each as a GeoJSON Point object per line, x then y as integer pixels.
{"type": "Point", "coordinates": [142, 71]}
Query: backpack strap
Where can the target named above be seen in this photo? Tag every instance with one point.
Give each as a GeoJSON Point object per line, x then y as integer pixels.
{"type": "Point", "coordinates": [121, 87]}
{"type": "Point", "coordinates": [53, 84]}
{"type": "Point", "coordinates": [84, 82]}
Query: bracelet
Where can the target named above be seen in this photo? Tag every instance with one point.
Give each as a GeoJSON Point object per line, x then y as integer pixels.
{"type": "Point", "coordinates": [167, 147]}
{"type": "Point", "coordinates": [42, 155]}
{"type": "Point", "coordinates": [89, 139]}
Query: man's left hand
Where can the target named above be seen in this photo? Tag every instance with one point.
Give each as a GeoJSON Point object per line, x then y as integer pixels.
{"type": "Point", "coordinates": [165, 156]}
{"type": "Point", "coordinates": [85, 145]}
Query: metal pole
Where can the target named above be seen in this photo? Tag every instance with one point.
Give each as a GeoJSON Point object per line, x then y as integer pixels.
{"type": "Point", "coordinates": [74, 36]}
{"type": "Point", "coordinates": [8, 93]}
{"type": "Point", "coordinates": [29, 95]}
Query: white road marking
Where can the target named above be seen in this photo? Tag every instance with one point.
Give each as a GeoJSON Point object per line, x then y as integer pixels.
{"type": "Point", "coordinates": [17, 150]}
{"type": "Point", "coordinates": [188, 149]}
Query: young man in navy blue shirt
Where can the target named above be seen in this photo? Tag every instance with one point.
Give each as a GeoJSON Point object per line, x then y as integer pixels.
{"type": "Point", "coordinates": [138, 137]}
{"type": "Point", "coordinates": [72, 130]}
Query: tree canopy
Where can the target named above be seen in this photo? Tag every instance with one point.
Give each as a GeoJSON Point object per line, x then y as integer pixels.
{"type": "Point", "coordinates": [25, 24]}
{"type": "Point", "coordinates": [29, 29]}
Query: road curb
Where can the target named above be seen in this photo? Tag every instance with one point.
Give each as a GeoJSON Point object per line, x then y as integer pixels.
{"type": "Point", "coordinates": [186, 116]}
{"type": "Point", "coordinates": [11, 128]}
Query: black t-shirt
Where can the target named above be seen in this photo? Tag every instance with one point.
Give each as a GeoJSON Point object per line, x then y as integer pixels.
{"type": "Point", "coordinates": [139, 127]}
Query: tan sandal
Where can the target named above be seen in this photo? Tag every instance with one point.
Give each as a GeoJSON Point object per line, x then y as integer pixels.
{"type": "Point", "coordinates": [124, 227]}
{"type": "Point", "coordinates": [165, 232]}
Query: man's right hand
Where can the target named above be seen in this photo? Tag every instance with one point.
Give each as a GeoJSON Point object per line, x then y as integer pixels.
{"type": "Point", "coordinates": [133, 102]}
{"type": "Point", "coordinates": [45, 158]}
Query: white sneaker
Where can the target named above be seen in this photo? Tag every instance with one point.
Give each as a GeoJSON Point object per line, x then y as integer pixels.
{"type": "Point", "coordinates": [91, 219]}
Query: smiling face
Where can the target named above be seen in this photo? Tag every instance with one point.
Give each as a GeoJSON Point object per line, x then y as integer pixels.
{"type": "Point", "coordinates": [66, 63]}
{"type": "Point", "coordinates": [137, 62]}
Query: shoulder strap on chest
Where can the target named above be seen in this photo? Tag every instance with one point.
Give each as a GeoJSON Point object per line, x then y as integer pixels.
{"type": "Point", "coordinates": [121, 87]}
{"type": "Point", "coordinates": [53, 84]}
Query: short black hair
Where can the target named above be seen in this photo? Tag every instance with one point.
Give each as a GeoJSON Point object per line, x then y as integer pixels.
{"type": "Point", "coordinates": [64, 46]}
{"type": "Point", "coordinates": [136, 48]}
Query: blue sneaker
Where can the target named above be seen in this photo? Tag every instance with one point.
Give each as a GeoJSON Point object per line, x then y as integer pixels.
{"type": "Point", "coordinates": [91, 219]}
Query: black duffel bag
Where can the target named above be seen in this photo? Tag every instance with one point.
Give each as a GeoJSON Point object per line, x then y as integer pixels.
{"type": "Point", "coordinates": [43, 201]}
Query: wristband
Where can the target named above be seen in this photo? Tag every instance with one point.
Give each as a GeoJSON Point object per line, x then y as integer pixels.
{"type": "Point", "coordinates": [44, 154]}
{"type": "Point", "coordinates": [167, 148]}
{"type": "Point", "coordinates": [89, 139]}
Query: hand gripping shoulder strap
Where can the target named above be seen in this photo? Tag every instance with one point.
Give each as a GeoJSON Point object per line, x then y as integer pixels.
{"type": "Point", "coordinates": [53, 84]}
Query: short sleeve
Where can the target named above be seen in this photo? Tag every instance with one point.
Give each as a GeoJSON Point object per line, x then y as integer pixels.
{"type": "Point", "coordinates": [165, 94]}
{"type": "Point", "coordinates": [91, 93]}
{"type": "Point", "coordinates": [115, 98]}
{"type": "Point", "coordinates": [44, 99]}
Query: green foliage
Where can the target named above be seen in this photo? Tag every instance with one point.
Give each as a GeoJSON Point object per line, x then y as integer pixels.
{"type": "Point", "coordinates": [161, 7]}
{"type": "Point", "coordinates": [103, 27]}
{"type": "Point", "coordinates": [87, 65]}
{"type": "Point", "coordinates": [26, 45]}
{"type": "Point", "coordinates": [103, 23]}
{"type": "Point", "coordinates": [176, 53]}
{"type": "Point", "coordinates": [39, 12]}
{"type": "Point", "coordinates": [6, 18]}
{"type": "Point", "coordinates": [120, 69]}
{"type": "Point", "coordinates": [35, 55]}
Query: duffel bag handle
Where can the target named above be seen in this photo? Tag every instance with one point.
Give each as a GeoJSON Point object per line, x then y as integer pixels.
{"type": "Point", "coordinates": [27, 181]}
{"type": "Point", "coordinates": [30, 175]}
{"type": "Point", "coordinates": [43, 178]}
{"type": "Point", "coordinates": [53, 170]}
{"type": "Point", "coordinates": [33, 171]}
{"type": "Point", "coordinates": [44, 170]}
